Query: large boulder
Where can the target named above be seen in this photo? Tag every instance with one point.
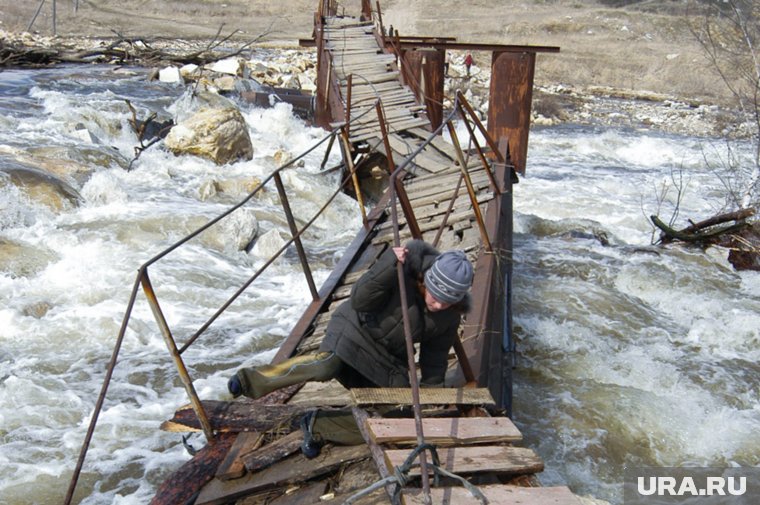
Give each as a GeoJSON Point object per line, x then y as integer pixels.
{"type": "Point", "coordinates": [218, 134]}
{"type": "Point", "coordinates": [209, 125]}
{"type": "Point", "coordinates": [39, 187]}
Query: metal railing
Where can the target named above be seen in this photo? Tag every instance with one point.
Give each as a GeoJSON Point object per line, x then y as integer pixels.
{"type": "Point", "coordinates": [143, 281]}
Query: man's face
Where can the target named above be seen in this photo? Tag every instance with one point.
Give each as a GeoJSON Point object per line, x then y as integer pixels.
{"type": "Point", "coordinates": [434, 305]}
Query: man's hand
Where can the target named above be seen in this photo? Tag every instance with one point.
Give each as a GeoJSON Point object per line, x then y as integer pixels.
{"type": "Point", "coordinates": [400, 253]}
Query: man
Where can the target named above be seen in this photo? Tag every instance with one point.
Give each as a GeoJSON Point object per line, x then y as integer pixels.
{"type": "Point", "coordinates": [364, 345]}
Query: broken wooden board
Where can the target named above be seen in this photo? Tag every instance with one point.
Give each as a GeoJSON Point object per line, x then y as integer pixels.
{"type": "Point", "coordinates": [496, 495]}
{"type": "Point", "coordinates": [476, 459]}
{"type": "Point", "coordinates": [295, 469]}
{"type": "Point", "coordinates": [233, 466]}
{"type": "Point", "coordinates": [269, 454]}
{"type": "Point", "coordinates": [444, 431]}
{"type": "Point", "coordinates": [428, 396]}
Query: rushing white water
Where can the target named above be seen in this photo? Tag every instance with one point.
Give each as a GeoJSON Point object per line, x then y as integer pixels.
{"type": "Point", "coordinates": [68, 273]}
{"type": "Point", "coordinates": [628, 355]}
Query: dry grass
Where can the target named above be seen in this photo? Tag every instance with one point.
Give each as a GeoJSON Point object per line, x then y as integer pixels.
{"type": "Point", "coordinates": [643, 45]}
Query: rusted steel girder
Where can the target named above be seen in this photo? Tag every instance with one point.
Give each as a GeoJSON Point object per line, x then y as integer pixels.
{"type": "Point", "coordinates": [425, 72]}
{"type": "Point", "coordinates": [487, 334]}
{"type": "Point", "coordinates": [510, 102]}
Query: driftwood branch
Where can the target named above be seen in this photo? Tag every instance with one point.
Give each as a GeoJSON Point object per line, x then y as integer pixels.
{"type": "Point", "coordinates": [705, 232]}
{"type": "Point", "coordinates": [123, 50]}
{"type": "Point", "coordinates": [146, 130]}
{"type": "Point", "coordinates": [742, 238]}
{"type": "Point", "coordinates": [739, 215]}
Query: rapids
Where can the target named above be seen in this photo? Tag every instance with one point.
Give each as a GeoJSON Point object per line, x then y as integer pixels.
{"type": "Point", "coordinates": [627, 354]}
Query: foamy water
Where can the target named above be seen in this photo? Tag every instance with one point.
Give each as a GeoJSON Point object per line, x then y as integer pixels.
{"type": "Point", "coordinates": [629, 355]}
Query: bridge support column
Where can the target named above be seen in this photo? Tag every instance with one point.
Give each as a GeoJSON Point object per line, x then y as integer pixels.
{"type": "Point", "coordinates": [425, 72]}
{"type": "Point", "coordinates": [510, 102]}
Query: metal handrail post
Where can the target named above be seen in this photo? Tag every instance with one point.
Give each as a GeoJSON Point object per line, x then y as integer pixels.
{"type": "Point", "coordinates": [470, 188]}
{"type": "Point", "coordinates": [103, 391]}
{"type": "Point", "coordinates": [482, 156]}
{"type": "Point", "coordinates": [411, 219]}
{"type": "Point", "coordinates": [183, 374]}
{"type": "Point", "coordinates": [349, 88]}
{"type": "Point", "coordinates": [328, 151]}
{"type": "Point", "coordinates": [346, 150]}
{"type": "Point", "coordinates": [414, 383]}
{"type": "Point", "coordinates": [296, 235]}
{"type": "Point", "coordinates": [479, 124]}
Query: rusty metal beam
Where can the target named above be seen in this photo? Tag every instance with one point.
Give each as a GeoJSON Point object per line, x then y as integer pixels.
{"type": "Point", "coordinates": [510, 102]}
{"type": "Point", "coordinates": [425, 71]}
{"type": "Point", "coordinates": [172, 346]}
{"type": "Point", "coordinates": [483, 335]}
{"type": "Point", "coordinates": [466, 46]}
{"type": "Point", "coordinates": [449, 43]}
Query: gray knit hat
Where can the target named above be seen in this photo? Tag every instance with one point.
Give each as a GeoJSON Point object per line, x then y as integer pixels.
{"type": "Point", "coordinates": [450, 277]}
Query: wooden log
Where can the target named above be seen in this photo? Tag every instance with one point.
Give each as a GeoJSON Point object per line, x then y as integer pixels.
{"type": "Point", "coordinates": [183, 484]}
{"type": "Point", "coordinates": [699, 236]}
{"type": "Point", "coordinates": [233, 416]}
{"type": "Point", "coordinates": [271, 453]}
{"type": "Point", "coordinates": [444, 431]}
{"type": "Point", "coordinates": [295, 469]}
{"type": "Point", "coordinates": [496, 495]}
{"type": "Point", "coordinates": [477, 459]}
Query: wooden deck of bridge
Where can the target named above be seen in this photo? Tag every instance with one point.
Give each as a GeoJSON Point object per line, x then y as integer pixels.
{"type": "Point", "coordinates": [467, 446]}
{"type": "Point", "coordinates": [471, 441]}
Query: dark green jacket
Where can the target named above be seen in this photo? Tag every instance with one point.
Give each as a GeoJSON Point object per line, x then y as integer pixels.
{"type": "Point", "coordinates": [367, 331]}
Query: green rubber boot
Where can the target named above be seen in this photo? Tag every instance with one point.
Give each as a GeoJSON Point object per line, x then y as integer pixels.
{"type": "Point", "coordinates": [258, 381]}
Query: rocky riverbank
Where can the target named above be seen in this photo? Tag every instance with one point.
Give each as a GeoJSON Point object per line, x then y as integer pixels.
{"type": "Point", "coordinates": [292, 67]}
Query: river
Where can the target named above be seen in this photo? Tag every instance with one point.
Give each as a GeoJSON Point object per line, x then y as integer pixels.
{"type": "Point", "coordinates": [629, 355]}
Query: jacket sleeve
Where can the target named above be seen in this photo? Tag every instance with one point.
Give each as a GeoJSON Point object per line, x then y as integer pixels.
{"type": "Point", "coordinates": [373, 289]}
{"type": "Point", "coordinates": [434, 352]}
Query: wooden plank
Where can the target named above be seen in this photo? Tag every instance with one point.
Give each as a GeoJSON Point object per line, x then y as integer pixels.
{"type": "Point", "coordinates": [233, 466]}
{"type": "Point", "coordinates": [392, 127]}
{"type": "Point", "coordinates": [322, 394]}
{"type": "Point", "coordinates": [377, 453]}
{"type": "Point", "coordinates": [428, 396]}
{"type": "Point", "coordinates": [308, 494]}
{"type": "Point", "coordinates": [295, 469]}
{"type": "Point", "coordinates": [477, 459]}
{"type": "Point", "coordinates": [432, 224]}
{"type": "Point", "coordinates": [439, 143]}
{"type": "Point", "coordinates": [445, 431]}
{"type": "Point", "coordinates": [496, 495]}
{"type": "Point", "coordinates": [274, 452]}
